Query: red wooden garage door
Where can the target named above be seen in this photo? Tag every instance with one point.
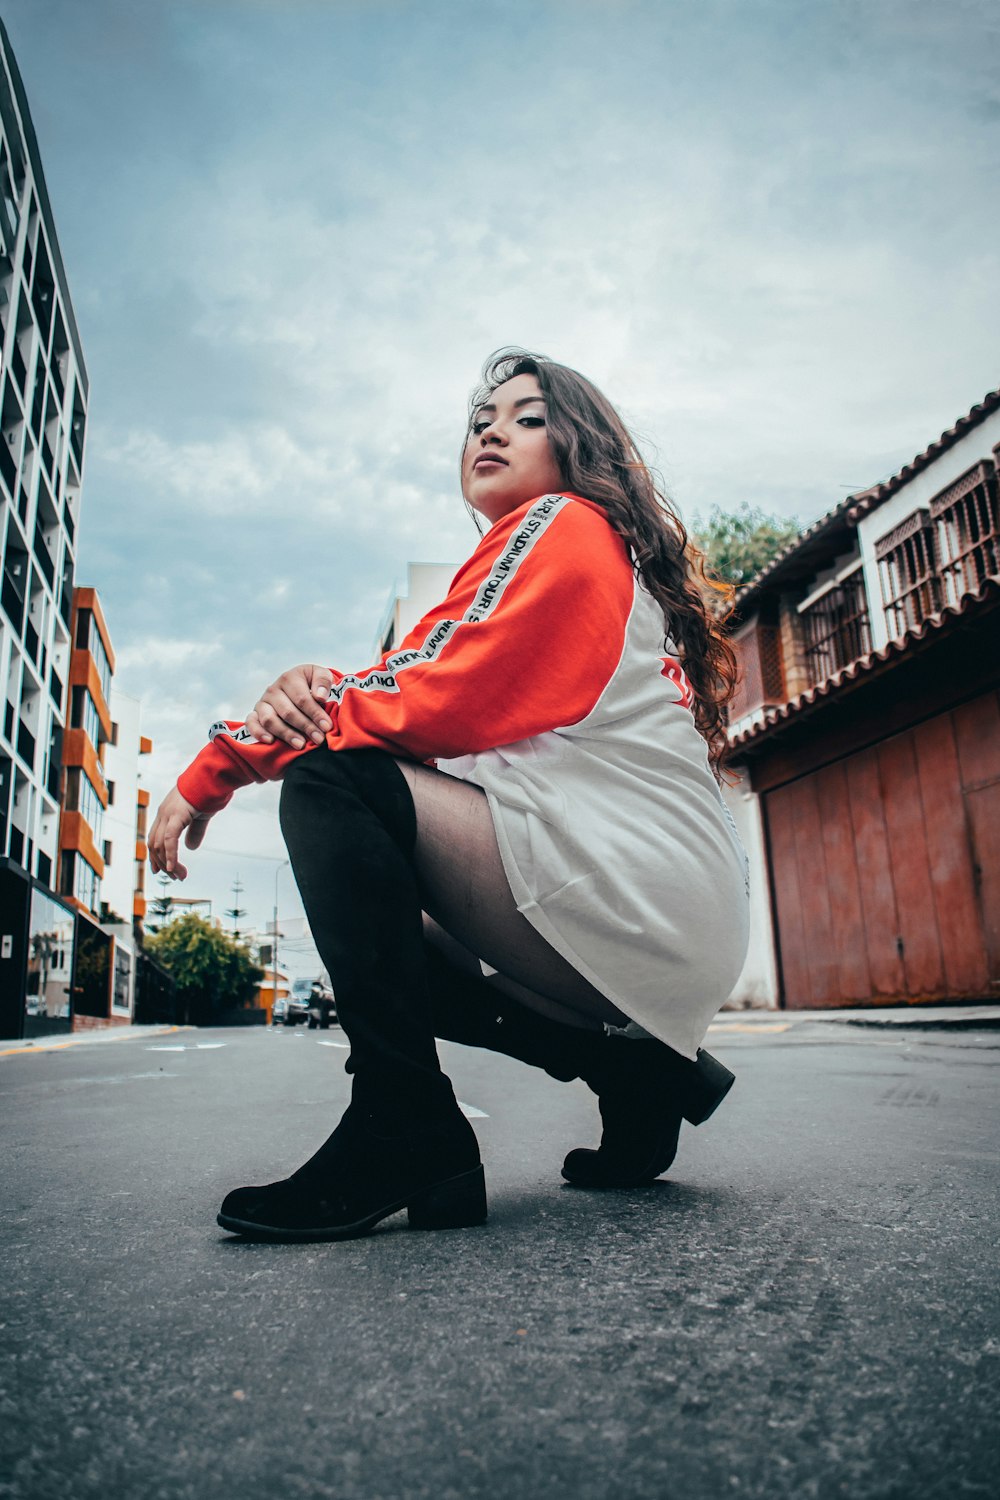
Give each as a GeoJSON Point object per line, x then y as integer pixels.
{"type": "Point", "coordinates": [886, 868]}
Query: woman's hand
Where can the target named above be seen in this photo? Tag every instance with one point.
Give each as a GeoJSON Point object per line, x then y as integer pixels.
{"type": "Point", "coordinates": [174, 815]}
{"type": "Point", "coordinates": [291, 708]}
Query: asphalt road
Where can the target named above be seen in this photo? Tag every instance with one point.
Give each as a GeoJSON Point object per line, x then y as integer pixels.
{"type": "Point", "coordinates": [808, 1306]}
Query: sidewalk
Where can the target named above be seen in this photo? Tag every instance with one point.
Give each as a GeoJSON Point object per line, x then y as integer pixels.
{"type": "Point", "coordinates": [921, 1017]}
{"type": "Point", "coordinates": [12, 1045]}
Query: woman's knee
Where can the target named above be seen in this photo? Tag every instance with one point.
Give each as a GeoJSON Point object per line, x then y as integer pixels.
{"type": "Point", "coordinates": [298, 783]}
{"type": "Point", "coordinates": [321, 786]}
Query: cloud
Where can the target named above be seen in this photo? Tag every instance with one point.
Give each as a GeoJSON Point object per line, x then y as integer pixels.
{"type": "Point", "coordinates": [155, 651]}
{"type": "Point", "coordinates": [241, 471]}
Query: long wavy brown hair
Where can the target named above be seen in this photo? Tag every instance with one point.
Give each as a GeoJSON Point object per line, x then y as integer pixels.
{"type": "Point", "coordinates": [599, 460]}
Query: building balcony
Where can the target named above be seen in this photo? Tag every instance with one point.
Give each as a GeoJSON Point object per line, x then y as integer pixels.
{"type": "Point", "coordinates": [8, 468]}
{"type": "Point", "coordinates": [75, 833]}
{"type": "Point", "coordinates": [836, 630]}
{"type": "Point", "coordinates": [44, 557]}
{"type": "Point", "coordinates": [26, 747]}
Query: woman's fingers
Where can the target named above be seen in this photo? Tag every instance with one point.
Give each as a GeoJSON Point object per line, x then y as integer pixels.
{"type": "Point", "coordinates": [322, 682]}
{"type": "Point", "coordinates": [175, 814]}
{"type": "Point", "coordinates": [163, 841]}
{"type": "Point", "coordinates": [289, 710]}
{"type": "Point", "coordinates": [257, 729]}
{"type": "Point", "coordinates": [307, 687]}
{"type": "Point", "coordinates": [280, 718]}
{"type": "Point", "coordinates": [195, 835]}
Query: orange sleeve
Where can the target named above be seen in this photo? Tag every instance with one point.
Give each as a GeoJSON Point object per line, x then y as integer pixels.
{"type": "Point", "coordinates": [526, 641]}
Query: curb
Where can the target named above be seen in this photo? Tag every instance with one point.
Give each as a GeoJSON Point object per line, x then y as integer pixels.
{"type": "Point", "coordinates": [910, 1018]}
{"type": "Point", "coordinates": [32, 1046]}
{"type": "Point", "coordinates": [960, 1023]}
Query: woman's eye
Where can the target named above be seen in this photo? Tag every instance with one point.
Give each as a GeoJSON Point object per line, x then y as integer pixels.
{"type": "Point", "coordinates": [532, 421]}
{"type": "Point", "coordinates": [478, 427]}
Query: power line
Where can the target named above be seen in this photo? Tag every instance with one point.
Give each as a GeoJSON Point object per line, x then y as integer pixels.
{"type": "Point", "coordinates": [242, 854]}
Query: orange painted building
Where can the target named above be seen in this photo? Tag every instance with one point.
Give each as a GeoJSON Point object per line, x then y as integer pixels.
{"type": "Point", "coordinates": [84, 785]}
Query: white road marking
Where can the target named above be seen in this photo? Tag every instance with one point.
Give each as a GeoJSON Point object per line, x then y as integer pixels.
{"type": "Point", "coordinates": [345, 1045]}
{"type": "Point", "coordinates": [123, 1077]}
{"type": "Point", "coordinates": [183, 1047]}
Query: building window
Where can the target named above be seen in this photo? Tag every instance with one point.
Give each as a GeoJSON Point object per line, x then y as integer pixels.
{"type": "Point", "coordinates": [77, 878]}
{"type": "Point", "coordinates": [911, 590]}
{"type": "Point", "coordinates": [88, 638]}
{"type": "Point", "coordinates": [761, 681]}
{"type": "Point", "coordinates": [836, 629]}
{"type": "Point", "coordinates": [85, 884]}
{"type": "Point", "coordinates": [8, 202]}
{"type": "Point", "coordinates": [15, 578]}
{"type": "Point", "coordinates": [84, 715]}
{"type": "Point", "coordinates": [122, 979]}
{"type": "Point", "coordinates": [82, 797]}
{"type": "Point", "coordinates": [100, 656]}
{"type": "Point", "coordinates": [966, 520]}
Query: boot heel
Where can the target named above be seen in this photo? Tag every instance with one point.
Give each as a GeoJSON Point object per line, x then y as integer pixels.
{"type": "Point", "coordinates": [456, 1204]}
{"type": "Point", "coordinates": [705, 1086]}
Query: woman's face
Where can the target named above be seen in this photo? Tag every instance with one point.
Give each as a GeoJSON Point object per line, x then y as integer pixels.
{"type": "Point", "coordinates": [508, 457]}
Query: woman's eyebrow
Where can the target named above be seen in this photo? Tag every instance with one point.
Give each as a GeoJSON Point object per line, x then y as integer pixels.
{"type": "Point", "coordinates": [524, 401]}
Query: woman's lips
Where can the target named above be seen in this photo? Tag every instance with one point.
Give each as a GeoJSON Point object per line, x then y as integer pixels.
{"type": "Point", "coordinates": [490, 461]}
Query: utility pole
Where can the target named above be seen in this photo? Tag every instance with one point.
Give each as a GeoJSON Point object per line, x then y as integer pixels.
{"type": "Point", "coordinates": [236, 910]}
{"type": "Point", "coordinates": [274, 954]}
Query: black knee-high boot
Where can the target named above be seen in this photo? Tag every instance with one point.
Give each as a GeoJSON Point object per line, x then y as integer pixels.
{"type": "Point", "coordinates": [349, 825]}
{"type": "Point", "coordinates": [645, 1089]}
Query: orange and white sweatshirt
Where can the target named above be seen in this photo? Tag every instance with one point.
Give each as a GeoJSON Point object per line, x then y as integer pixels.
{"type": "Point", "coordinates": [545, 677]}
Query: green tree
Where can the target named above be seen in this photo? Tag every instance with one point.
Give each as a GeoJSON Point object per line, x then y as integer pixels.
{"type": "Point", "coordinates": [213, 972]}
{"type": "Point", "coordinates": [738, 543]}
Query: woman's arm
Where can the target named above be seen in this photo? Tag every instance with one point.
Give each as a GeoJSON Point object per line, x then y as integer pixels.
{"type": "Point", "coordinates": [527, 639]}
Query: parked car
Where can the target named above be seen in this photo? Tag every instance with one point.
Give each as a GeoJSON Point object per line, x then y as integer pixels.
{"type": "Point", "coordinates": [278, 1011]}
{"type": "Point", "coordinates": [310, 1000]}
{"type": "Point", "coordinates": [322, 1006]}
{"type": "Point", "coordinates": [297, 1004]}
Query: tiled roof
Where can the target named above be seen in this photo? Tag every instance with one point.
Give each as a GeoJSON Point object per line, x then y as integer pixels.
{"type": "Point", "coordinates": [931, 628]}
{"type": "Point", "coordinates": [870, 500]}
{"type": "Point", "coordinates": [801, 547]}
{"type": "Point", "coordinates": [851, 510]}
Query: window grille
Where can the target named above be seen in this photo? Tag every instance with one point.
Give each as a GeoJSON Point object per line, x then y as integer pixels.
{"type": "Point", "coordinates": [836, 629]}
{"type": "Point", "coordinates": [911, 589]}
{"type": "Point", "coordinates": [966, 520]}
{"type": "Point", "coordinates": [761, 680]}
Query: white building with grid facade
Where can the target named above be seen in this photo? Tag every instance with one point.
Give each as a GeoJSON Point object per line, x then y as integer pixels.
{"type": "Point", "coordinates": [43, 413]}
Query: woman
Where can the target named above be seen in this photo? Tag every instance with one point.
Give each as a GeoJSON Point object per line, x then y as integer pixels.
{"type": "Point", "coordinates": [508, 831]}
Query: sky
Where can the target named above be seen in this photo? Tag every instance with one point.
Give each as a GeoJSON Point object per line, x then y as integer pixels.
{"type": "Point", "coordinates": [294, 230]}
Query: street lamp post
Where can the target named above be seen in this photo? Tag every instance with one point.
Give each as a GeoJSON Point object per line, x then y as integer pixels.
{"type": "Point", "coordinates": [274, 953]}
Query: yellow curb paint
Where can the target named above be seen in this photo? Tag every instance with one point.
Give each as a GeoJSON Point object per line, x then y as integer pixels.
{"type": "Point", "coordinates": [750, 1026]}
{"type": "Point", "coordinates": [76, 1041]}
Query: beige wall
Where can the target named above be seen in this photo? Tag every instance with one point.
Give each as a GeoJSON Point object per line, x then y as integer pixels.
{"type": "Point", "coordinates": [757, 986]}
